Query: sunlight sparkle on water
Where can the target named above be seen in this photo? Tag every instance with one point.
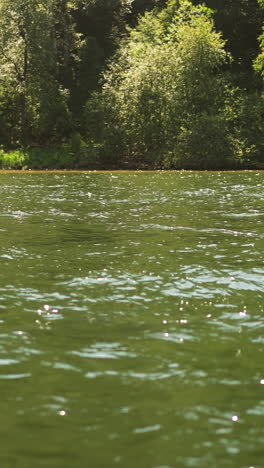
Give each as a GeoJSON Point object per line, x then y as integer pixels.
{"type": "Point", "coordinates": [235, 418]}
{"type": "Point", "coordinates": [243, 313]}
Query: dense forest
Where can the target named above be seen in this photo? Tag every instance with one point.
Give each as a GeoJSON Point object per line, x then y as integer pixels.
{"type": "Point", "coordinates": [132, 84]}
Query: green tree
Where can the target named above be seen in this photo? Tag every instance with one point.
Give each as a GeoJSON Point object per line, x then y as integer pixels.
{"type": "Point", "coordinates": [29, 68]}
{"type": "Point", "coordinates": [165, 91]}
{"type": "Point", "coordinates": [240, 22]}
{"type": "Point", "coordinates": [259, 61]}
{"type": "Point", "coordinates": [95, 28]}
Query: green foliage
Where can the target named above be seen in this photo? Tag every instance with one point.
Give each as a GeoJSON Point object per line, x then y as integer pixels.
{"type": "Point", "coordinates": [29, 64]}
{"type": "Point", "coordinates": [9, 134]}
{"type": "Point", "coordinates": [249, 128]}
{"type": "Point", "coordinates": [13, 160]}
{"type": "Point", "coordinates": [165, 99]}
{"type": "Point", "coordinates": [241, 22]}
{"type": "Point", "coordinates": [61, 157]}
{"type": "Point", "coordinates": [164, 95]}
{"type": "Point", "coordinates": [259, 62]}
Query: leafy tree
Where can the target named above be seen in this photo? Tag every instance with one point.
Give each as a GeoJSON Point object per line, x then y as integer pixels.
{"type": "Point", "coordinates": [259, 62]}
{"type": "Point", "coordinates": [165, 92]}
{"type": "Point", "coordinates": [240, 21]}
{"type": "Point", "coordinates": [30, 67]}
{"type": "Point", "coordinates": [140, 7]}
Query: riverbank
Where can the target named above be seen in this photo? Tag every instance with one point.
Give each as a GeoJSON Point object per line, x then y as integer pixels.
{"type": "Point", "coordinates": [64, 158]}
{"type": "Point", "coordinates": [45, 158]}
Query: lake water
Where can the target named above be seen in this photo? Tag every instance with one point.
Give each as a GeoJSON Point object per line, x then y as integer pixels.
{"type": "Point", "coordinates": [131, 320]}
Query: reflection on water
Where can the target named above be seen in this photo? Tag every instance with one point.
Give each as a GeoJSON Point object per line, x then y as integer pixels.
{"type": "Point", "coordinates": [131, 319]}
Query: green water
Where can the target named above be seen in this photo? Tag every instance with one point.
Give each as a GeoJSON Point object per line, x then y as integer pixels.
{"type": "Point", "coordinates": [131, 320]}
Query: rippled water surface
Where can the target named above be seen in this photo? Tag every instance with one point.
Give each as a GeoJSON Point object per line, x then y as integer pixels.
{"type": "Point", "coordinates": [131, 320]}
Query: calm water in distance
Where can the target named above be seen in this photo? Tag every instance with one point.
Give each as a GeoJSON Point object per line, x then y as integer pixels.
{"type": "Point", "coordinates": [131, 320]}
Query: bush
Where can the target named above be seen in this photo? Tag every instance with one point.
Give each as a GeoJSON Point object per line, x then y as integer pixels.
{"type": "Point", "coordinates": [16, 159]}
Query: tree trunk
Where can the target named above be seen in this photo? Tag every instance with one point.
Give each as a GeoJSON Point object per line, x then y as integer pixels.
{"type": "Point", "coordinates": [23, 98]}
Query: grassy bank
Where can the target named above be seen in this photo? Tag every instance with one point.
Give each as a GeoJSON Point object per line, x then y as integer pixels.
{"type": "Point", "coordinates": [66, 157]}
{"type": "Point", "coordinates": [63, 157]}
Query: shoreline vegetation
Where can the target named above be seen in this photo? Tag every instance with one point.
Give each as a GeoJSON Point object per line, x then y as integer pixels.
{"type": "Point", "coordinates": [61, 160]}
{"type": "Point", "coordinates": [131, 85]}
